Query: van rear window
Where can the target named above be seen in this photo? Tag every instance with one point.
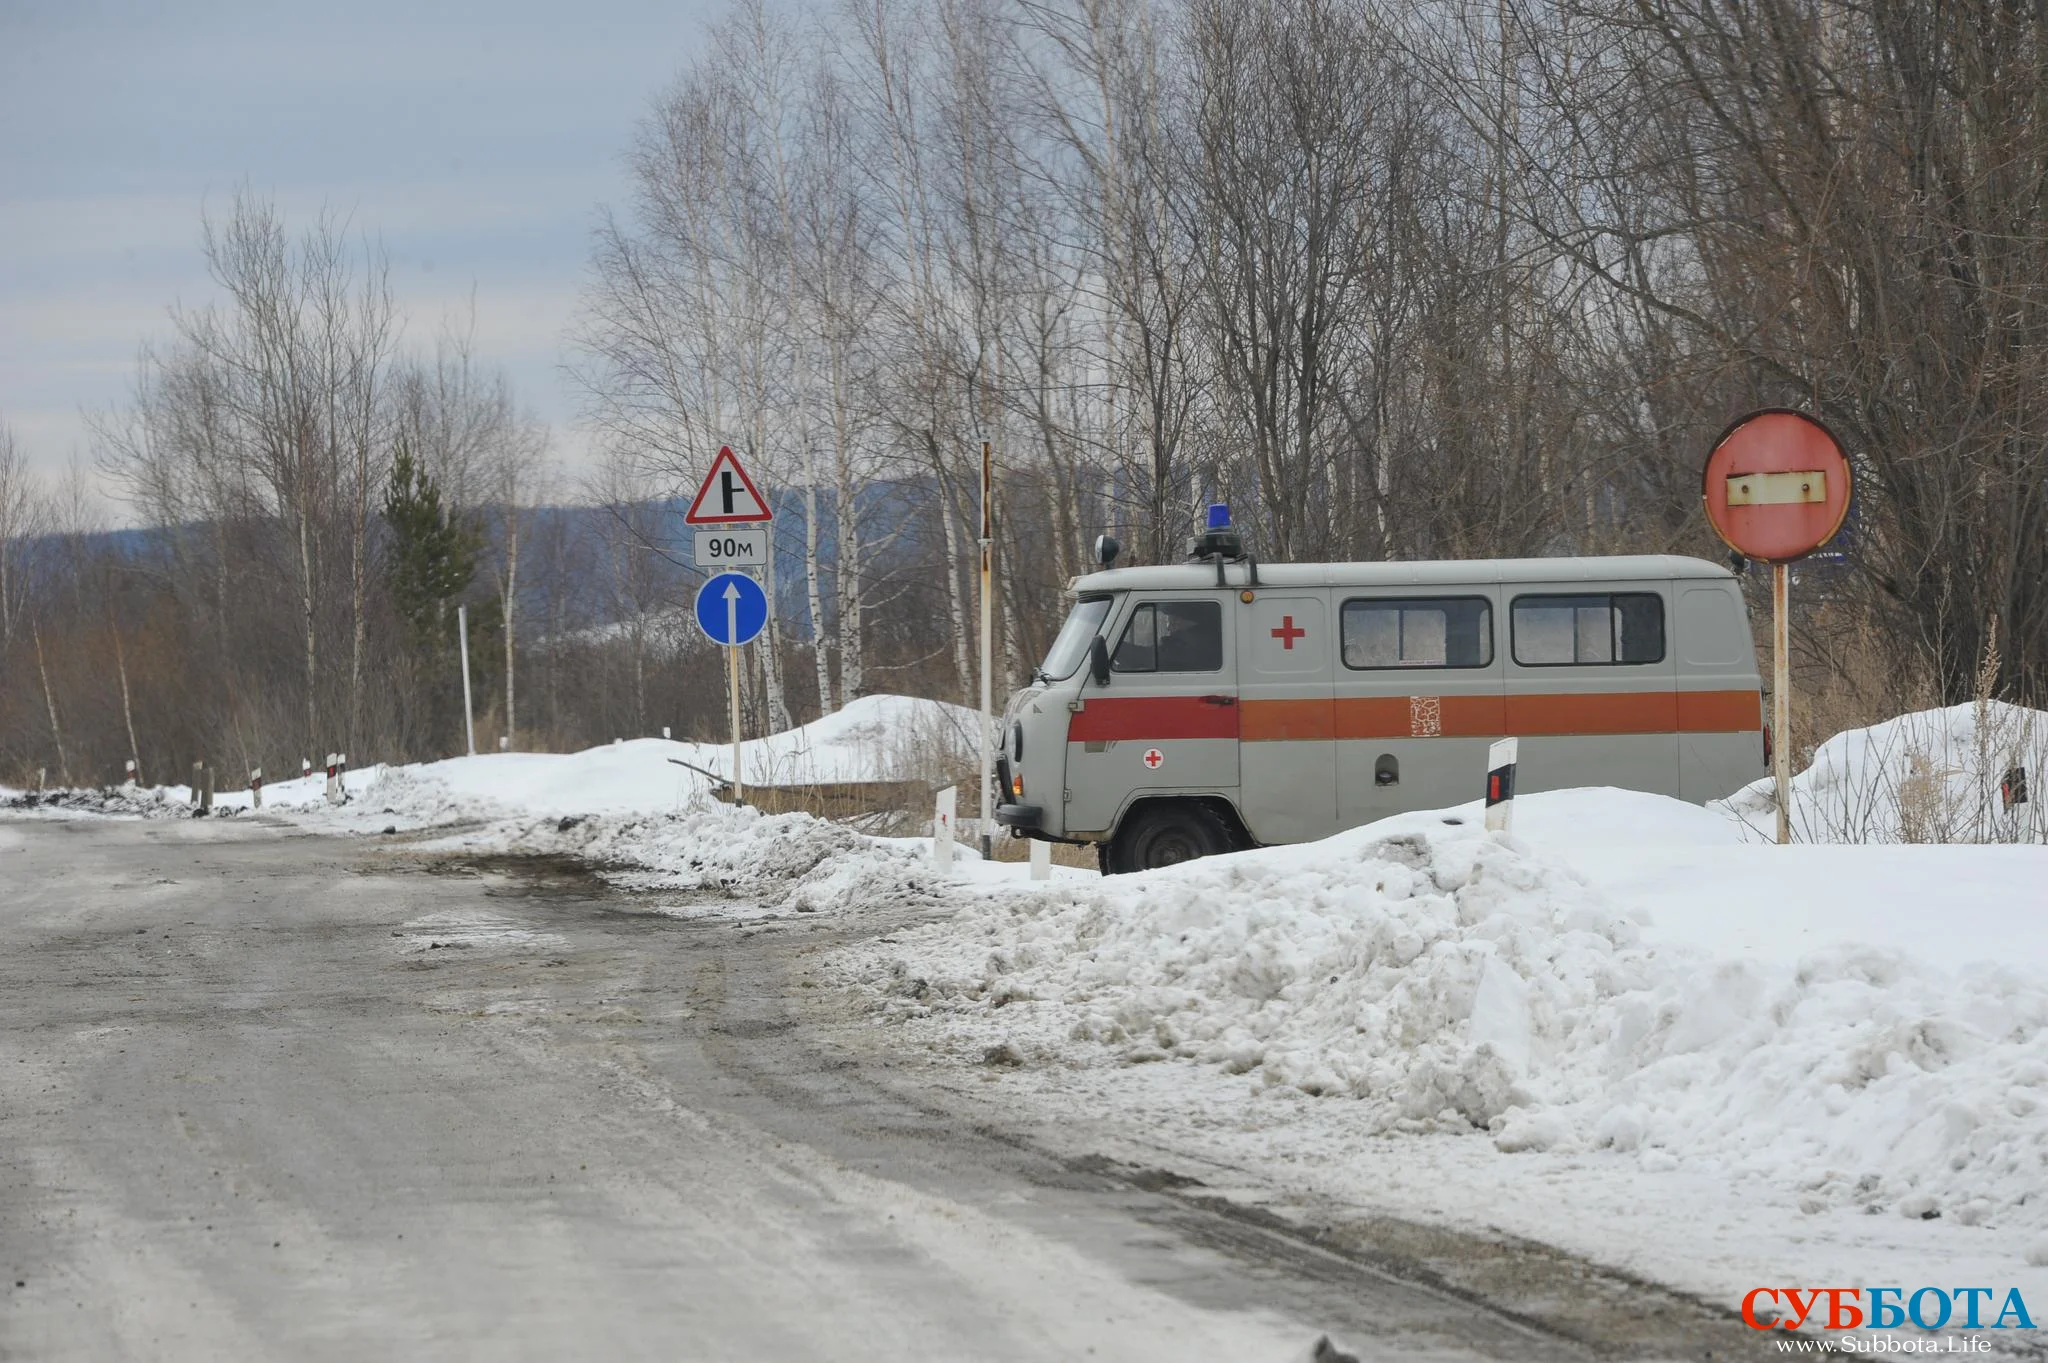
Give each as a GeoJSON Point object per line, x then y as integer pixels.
{"type": "Point", "coordinates": [1440, 631]}
{"type": "Point", "coordinates": [1587, 629]}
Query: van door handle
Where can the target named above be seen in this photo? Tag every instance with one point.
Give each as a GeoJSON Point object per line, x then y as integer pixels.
{"type": "Point", "coordinates": [1219, 700]}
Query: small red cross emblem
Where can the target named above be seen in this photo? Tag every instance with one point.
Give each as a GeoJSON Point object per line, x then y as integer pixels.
{"type": "Point", "coordinates": [1153, 757]}
{"type": "Point", "coordinates": [1287, 633]}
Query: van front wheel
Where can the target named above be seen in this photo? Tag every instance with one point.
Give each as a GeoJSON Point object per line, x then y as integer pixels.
{"type": "Point", "coordinates": [1166, 834]}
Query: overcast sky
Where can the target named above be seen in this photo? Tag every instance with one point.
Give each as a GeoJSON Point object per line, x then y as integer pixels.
{"type": "Point", "coordinates": [475, 138]}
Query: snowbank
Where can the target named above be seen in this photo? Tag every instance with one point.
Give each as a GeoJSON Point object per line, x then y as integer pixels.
{"type": "Point", "coordinates": [1929, 776]}
{"type": "Point", "coordinates": [1440, 979]}
{"type": "Point", "coordinates": [630, 809]}
{"type": "Point", "coordinates": [135, 802]}
{"type": "Point", "coordinates": [874, 738]}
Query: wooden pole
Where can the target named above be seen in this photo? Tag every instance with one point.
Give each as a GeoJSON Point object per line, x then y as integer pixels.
{"type": "Point", "coordinates": [1781, 697]}
{"type": "Point", "coordinates": [988, 759]}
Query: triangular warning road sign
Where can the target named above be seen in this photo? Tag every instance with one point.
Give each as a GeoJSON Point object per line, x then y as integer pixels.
{"type": "Point", "coordinates": [728, 496]}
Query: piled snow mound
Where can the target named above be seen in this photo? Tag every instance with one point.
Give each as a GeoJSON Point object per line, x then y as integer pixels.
{"type": "Point", "coordinates": [773, 863]}
{"type": "Point", "coordinates": [875, 738]}
{"type": "Point", "coordinates": [175, 802]}
{"type": "Point", "coordinates": [1929, 776]}
{"type": "Point", "coordinates": [130, 802]}
{"type": "Point", "coordinates": [1445, 979]}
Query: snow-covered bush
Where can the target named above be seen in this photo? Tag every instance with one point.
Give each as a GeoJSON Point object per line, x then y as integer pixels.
{"type": "Point", "coordinates": [1929, 776]}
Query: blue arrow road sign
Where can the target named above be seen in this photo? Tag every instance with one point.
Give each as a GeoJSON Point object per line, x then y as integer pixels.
{"type": "Point", "coordinates": [732, 609]}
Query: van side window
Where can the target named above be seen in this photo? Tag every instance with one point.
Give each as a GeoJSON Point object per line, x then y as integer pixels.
{"type": "Point", "coordinates": [1611, 627]}
{"type": "Point", "coordinates": [1448, 631]}
{"type": "Point", "coordinates": [1172, 636]}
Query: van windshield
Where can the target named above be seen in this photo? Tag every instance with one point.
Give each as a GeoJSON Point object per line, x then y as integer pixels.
{"type": "Point", "coordinates": [1071, 648]}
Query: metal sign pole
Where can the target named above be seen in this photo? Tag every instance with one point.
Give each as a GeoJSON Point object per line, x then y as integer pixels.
{"type": "Point", "coordinates": [1781, 697]}
{"type": "Point", "coordinates": [732, 670]}
{"type": "Point", "coordinates": [988, 759]}
{"type": "Point", "coordinates": [468, 710]}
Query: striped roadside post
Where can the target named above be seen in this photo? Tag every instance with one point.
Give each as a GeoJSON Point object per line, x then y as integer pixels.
{"type": "Point", "coordinates": [943, 811]}
{"type": "Point", "coordinates": [1500, 785]}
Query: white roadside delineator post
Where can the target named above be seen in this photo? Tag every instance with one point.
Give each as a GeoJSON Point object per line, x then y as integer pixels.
{"type": "Point", "coordinates": [256, 788]}
{"type": "Point", "coordinates": [942, 826]}
{"type": "Point", "coordinates": [131, 773]}
{"type": "Point", "coordinates": [333, 781]}
{"type": "Point", "coordinates": [1500, 785]}
{"type": "Point", "coordinates": [1041, 859]}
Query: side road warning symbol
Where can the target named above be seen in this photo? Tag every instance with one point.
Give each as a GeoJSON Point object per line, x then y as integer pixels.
{"type": "Point", "coordinates": [728, 496]}
{"type": "Point", "coordinates": [1153, 757]}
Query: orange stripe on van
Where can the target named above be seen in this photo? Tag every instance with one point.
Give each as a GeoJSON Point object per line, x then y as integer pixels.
{"type": "Point", "coordinates": [1396, 717]}
{"type": "Point", "coordinates": [1155, 718]}
{"type": "Point", "coordinates": [1720, 712]}
{"type": "Point", "coordinates": [1534, 715]}
{"type": "Point", "coordinates": [1372, 717]}
{"type": "Point", "coordinates": [1627, 712]}
{"type": "Point", "coordinates": [1289, 721]}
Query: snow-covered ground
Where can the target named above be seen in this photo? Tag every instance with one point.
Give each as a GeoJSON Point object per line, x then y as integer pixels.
{"type": "Point", "coordinates": [874, 738]}
{"type": "Point", "coordinates": [1632, 1027]}
{"type": "Point", "coordinates": [1621, 1029]}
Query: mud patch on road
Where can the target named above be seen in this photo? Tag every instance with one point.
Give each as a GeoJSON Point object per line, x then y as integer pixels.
{"type": "Point", "coordinates": [528, 875]}
{"type": "Point", "coordinates": [1552, 1294]}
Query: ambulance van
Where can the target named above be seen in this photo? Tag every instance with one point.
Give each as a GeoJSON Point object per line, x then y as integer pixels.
{"type": "Point", "coordinates": [1219, 704]}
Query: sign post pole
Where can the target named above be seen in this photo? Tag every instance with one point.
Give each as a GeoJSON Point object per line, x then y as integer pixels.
{"type": "Point", "coordinates": [468, 710]}
{"type": "Point", "coordinates": [732, 610]}
{"type": "Point", "coordinates": [732, 679]}
{"type": "Point", "coordinates": [1781, 696]}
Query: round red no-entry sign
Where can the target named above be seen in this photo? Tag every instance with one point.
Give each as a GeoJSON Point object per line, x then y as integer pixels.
{"type": "Point", "coordinates": [1776, 485]}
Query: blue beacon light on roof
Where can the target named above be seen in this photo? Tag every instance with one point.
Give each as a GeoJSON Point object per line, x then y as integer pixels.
{"type": "Point", "coordinates": [1219, 516]}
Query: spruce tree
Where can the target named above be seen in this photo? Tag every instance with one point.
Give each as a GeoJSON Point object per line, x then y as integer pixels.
{"type": "Point", "coordinates": [433, 558]}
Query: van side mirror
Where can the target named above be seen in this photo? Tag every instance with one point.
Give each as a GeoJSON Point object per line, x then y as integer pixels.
{"type": "Point", "coordinates": [1098, 661]}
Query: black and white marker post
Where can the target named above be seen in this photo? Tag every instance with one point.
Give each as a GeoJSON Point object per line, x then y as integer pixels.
{"type": "Point", "coordinates": [1500, 785]}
